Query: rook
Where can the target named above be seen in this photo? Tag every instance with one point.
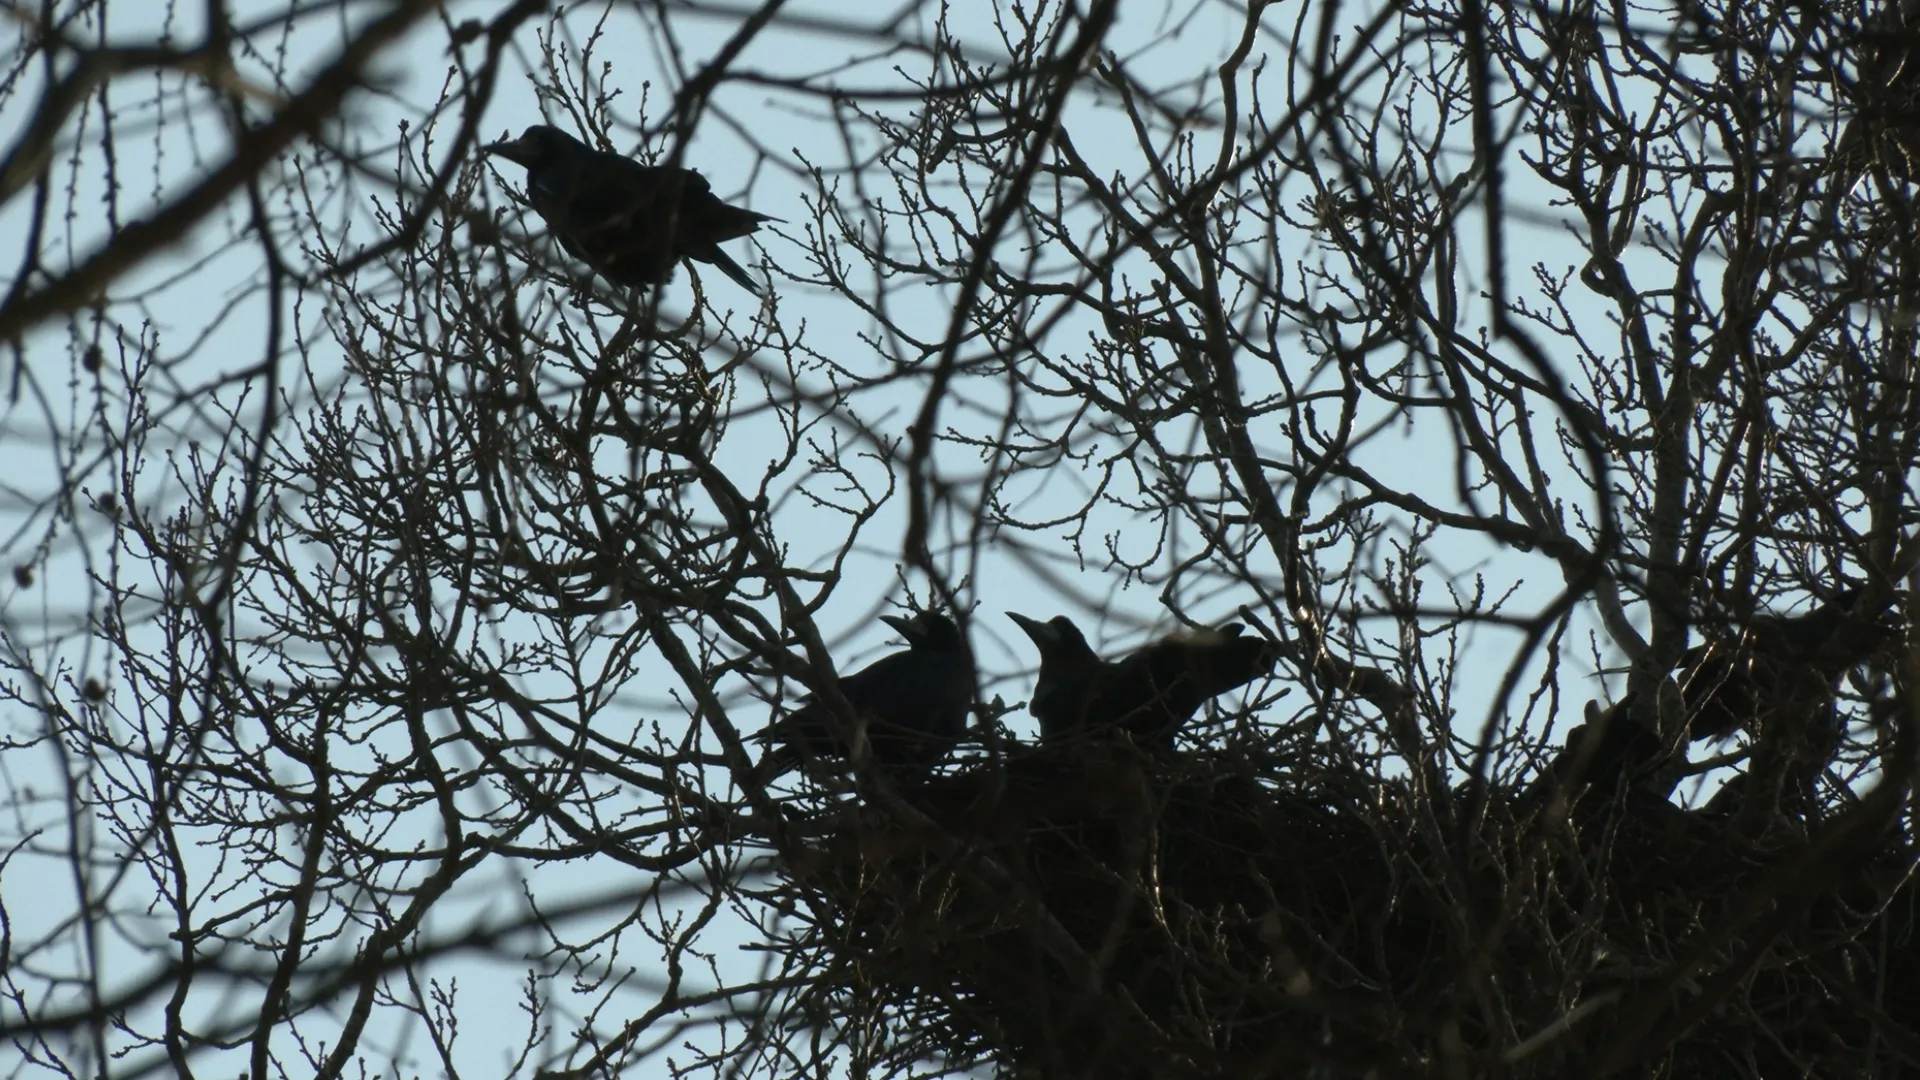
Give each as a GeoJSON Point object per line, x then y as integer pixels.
{"type": "Point", "coordinates": [914, 703]}
{"type": "Point", "coordinates": [1149, 694]}
{"type": "Point", "coordinates": [630, 222]}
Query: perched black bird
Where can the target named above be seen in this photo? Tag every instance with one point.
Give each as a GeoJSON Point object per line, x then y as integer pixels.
{"type": "Point", "coordinates": [914, 703]}
{"type": "Point", "coordinates": [1883, 98]}
{"type": "Point", "coordinates": [630, 222]}
{"type": "Point", "coordinates": [1149, 694]}
{"type": "Point", "coordinates": [1730, 799]}
{"type": "Point", "coordinates": [1779, 665]}
{"type": "Point", "coordinates": [1609, 748]}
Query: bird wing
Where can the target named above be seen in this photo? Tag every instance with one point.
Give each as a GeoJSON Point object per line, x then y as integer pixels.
{"type": "Point", "coordinates": [887, 689]}
{"type": "Point", "coordinates": [703, 222]}
{"type": "Point", "coordinates": [605, 209]}
{"type": "Point", "coordinates": [1159, 688]}
{"type": "Point", "coordinates": [614, 193]}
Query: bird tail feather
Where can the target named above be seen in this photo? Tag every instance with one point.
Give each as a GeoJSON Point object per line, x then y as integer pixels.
{"type": "Point", "coordinates": [716, 257]}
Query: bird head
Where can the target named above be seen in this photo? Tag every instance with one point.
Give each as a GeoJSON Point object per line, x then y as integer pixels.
{"type": "Point", "coordinates": [541, 142]}
{"type": "Point", "coordinates": [1057, 638]}
{"type": "Point", "coordinates": [928, 630]}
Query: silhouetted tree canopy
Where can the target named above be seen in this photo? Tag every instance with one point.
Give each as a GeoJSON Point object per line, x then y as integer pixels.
{"type": "Point", "coordinates": [448, 635]}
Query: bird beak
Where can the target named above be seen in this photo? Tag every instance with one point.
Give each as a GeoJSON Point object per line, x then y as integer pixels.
{"type": "Point", "coordinates": [905, 627]}
{"type": "Point", "coordinates": [511, 149]}
{"type": "Point", "coordinates": [1040, 632]}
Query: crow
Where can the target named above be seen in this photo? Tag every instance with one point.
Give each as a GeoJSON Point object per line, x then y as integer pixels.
{"type": "Point", "coordinates": [630, 222]}
{"type": "Point", "coordinates": [914, 703]}
{"type": "Point", "coordinates": [1611, 747]}
{"type": "Point", "coordinates": [1780, 665]}
{"type": "Point", "coordinates": [1150, 694]}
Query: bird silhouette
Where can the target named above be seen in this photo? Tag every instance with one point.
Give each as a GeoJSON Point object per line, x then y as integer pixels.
{"type": "Point", "coordinates": [1882, 98]}
{"type": "Point", "coordinates": [630, 222]}
{"type": "Point", "coordinates": [1149, 694]}
{"type": "Point", "coordinates": [1611, 747]}
{"type": "Point", "coordinates": [913, 703]}
{"type": "Point", "coordinates": [1782, 665]}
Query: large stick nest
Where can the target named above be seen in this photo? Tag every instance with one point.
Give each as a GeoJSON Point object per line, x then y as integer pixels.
{"type": "Point", "coordinates": [1089, 911]}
